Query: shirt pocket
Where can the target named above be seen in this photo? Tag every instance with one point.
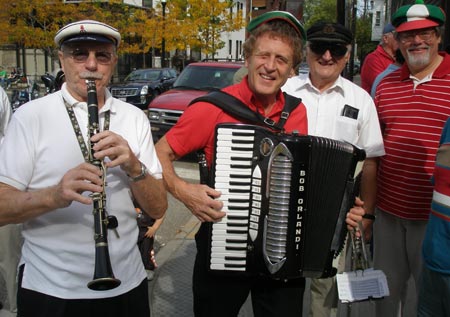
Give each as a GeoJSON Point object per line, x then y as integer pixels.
{"type": "Point", "coordinates": [346, 129]}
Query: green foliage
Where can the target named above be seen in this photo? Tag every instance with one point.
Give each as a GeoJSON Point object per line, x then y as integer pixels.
{"type": "Point", "coordinates": [326, 10]}
{"type": "Point", "coordinates": [319, 10]}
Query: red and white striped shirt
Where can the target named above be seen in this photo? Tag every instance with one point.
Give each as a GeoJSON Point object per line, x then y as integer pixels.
{"type": "Point", "coordinates": [411, 117]}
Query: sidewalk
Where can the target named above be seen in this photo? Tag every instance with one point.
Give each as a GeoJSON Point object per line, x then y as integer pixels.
{"type": "Point", "coordinates": [171, 289]}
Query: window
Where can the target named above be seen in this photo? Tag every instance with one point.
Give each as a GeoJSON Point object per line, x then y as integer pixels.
{"type": "Point", "coordinates": [378, 18]}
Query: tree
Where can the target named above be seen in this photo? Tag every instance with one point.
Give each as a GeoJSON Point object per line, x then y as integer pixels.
{"type": "Point", "coordinates": [198, 24]}
{"type": "Point", "coordinates": [319, 10]}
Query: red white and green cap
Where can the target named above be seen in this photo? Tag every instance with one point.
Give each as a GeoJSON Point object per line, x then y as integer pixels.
{"type": "Point", "coordinates": [278, 15]}
{"type": "Point", "coordinates": [417, 16]}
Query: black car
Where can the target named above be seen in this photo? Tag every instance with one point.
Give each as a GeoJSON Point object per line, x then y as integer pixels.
{"type": "Point", "coordinates": [142, 85]}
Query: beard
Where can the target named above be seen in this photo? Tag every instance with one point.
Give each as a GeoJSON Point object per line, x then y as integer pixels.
{"type": "Point", "coordinates": [418, 60]}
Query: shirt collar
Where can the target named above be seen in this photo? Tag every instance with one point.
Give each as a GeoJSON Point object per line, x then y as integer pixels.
{"type": "Point", "coordinates": [337, 86]}
{"type": "Point", "coordinates": [249, 98]}
{"type": "Point", "coordinates": [69, 99]}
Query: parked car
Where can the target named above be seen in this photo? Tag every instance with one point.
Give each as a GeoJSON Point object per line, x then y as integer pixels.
{"type": "Point", "coordinates": [142, 85]}
{"type": "Point", "coordinates": [196, 79]}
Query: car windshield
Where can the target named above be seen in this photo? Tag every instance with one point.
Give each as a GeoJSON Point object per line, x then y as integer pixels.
{"type": "Point", "coordinates": [143, 75]}
{"type": "Point", "coordinates": [205, 77]}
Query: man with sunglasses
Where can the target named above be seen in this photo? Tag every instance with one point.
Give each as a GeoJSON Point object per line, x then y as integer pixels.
{"type": "Point", "coordinates": [337, 109]}
{"type": "Point", "coordinates": [413, 105]}
{"type": "Point", "coordinates": [378, 60]}
{"type": "Point", "coordinates": [47, 182]}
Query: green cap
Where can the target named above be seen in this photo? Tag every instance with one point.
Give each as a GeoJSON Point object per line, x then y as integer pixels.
{"type": "Point", "coordinates": [278, 15]}
{"type": "Point", "coordinates": [417, 16]}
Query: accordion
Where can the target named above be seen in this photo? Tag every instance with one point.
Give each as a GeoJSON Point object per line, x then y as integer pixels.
{"type": "Point", "coordinates": [285, 196]}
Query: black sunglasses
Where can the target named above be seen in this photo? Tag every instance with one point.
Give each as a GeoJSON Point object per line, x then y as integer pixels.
{"type": "Point", "coordinates": [336, 50]}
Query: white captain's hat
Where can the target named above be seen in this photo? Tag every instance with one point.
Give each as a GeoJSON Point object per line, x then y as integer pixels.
{"type": "Point", "coordinates": [87, 30]}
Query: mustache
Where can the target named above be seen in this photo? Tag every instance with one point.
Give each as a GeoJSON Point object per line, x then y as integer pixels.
{"type": "Point", "coordinates": [90, 75]}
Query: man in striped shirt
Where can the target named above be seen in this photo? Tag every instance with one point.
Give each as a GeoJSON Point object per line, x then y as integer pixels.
{"type": "Point", "coordinates": [413, 104]}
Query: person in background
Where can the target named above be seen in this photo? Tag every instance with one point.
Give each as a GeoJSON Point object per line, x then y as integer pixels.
{"type": "Point", "coordinates": [51, 187]}
{"type": "Point", "coordinates": [413, 106]}
{"type": "Point", "coordinates": [273, 50]}
{"type": "Point", "coordinates": [340, 110]}
{"type": "Point", "coordinates": [378, 60]}
{"type": "Point", "coordinates": [434, 289]}
{"type": "Point", "coordinates": [399, 60]}
{"type": "Point", "coordinates": [3, 76]}
{"type": "Point", "coordinates": [146, 240]}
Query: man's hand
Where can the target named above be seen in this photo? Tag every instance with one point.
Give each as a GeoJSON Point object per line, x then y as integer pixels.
{"type": "Point", "coordinates": [116, 148]}
{"type": "Point", "coordinates": [200, 200]}
{"type": "Point", "coordinates": [84, 177]}
{"type": "Point", "coordinates": [355, 215]}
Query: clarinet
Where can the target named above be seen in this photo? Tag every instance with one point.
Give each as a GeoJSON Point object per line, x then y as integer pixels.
{"type": "Point", "coordinates": [103, 275]}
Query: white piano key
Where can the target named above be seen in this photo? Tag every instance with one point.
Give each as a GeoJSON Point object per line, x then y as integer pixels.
{"type": "Point", "coordinates": [223, 179]}
{"type": "Point", "coordinates": [227, 145]}
{"type": "Point", "coordinates": [220, 260]}
{"type": "Point", "coordinates": [222, 267]}
{"type": "Point", "coordinates": [227, 221]}
{"type": "Point", "coordinates": [220, 186]}
{"type": "Point", "coordinates": [233, 130]}
{"type": "Point", "coordinates": [227, 161]}
{"type": "Point", "coordinates": [220, 234]}
{"type": "Point", "coordinates": [232, 170]}
{"type": "Point", "coordinates": [223, 243]}
{"type": "Point", "coordinates": [229, 137]}
{"type": "Point", "coordinates": [227, 191]}
{"type": "Point", "coordinates": [241, 254]}
{"type": "Point", "coordinates": [230, 154]}
{"type": "Point", "coordinates": [221, 249]}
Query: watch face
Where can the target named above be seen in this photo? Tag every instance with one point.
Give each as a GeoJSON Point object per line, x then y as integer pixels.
{"type": "Point", "coordinates": [144, 172]}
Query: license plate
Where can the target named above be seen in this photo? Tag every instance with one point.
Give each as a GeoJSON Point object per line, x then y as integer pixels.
{"type": "Point", "coordinates": [122, 99]}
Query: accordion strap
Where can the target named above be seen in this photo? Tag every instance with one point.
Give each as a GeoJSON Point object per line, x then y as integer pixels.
{"type": "Point", "coordinates": [239, 110]}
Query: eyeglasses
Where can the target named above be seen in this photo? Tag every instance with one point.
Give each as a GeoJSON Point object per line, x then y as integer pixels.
{"type": "Point", "coordinates": [336, 50]}
{"type": "Point", "coordinates": [408, 37]}
{"type": "Point", "coordinates": [80, 55]}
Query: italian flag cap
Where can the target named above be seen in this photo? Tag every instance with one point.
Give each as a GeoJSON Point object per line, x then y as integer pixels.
{"type": "Point", "coordinates": [417, 16]}
{"type": "Point", "coordinates": [278, 15]}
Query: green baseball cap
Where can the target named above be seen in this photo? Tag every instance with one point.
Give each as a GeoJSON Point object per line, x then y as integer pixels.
{"type": "Point", "coordinates": [278, 15]}
{"type": "Point", "coordinates": [417, 16]}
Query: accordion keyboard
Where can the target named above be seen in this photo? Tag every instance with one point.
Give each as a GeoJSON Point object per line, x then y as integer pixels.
{"type": "Point", "coordinates": [233, 179]}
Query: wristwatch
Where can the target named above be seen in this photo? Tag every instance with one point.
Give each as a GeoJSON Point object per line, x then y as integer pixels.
{"type": "Point", "coordinates": [369, 216]}
{"type": "Point", "coordinates": [144, 171]}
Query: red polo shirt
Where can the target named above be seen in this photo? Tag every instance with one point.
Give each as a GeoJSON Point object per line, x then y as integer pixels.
{"type": "Point", "coordinates": [374, 63]}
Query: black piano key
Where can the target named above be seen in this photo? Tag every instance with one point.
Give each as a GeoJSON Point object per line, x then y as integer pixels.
{"type": "Point", "coordinates": [250, 148]}
{"type": "Point", "coordinates": [236, 224]}
{"type": "Point", "coordinates": [236, 231]}
{"type": "Point", "coordinates": [235, 190]}
{"type": "Point", "coordinates": [238, 208]}
{"type": "Point", "coordinates": [234, 258]}
{"type": "Point", "coordinates": [238, 200]}
{"type": "Point", "coordinates": [236, 183]}
{"type": "Point", "coordinates": [231, 265]}
{"type": "Point", "coordinates": [231, 248]}
{"type": "Point", "coordinates": [235, 217]}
